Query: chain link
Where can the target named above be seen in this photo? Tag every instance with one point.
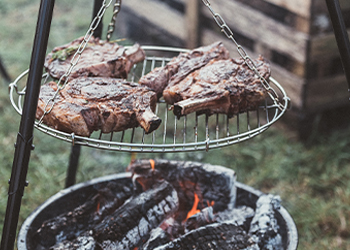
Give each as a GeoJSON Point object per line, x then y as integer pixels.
{"type": "Point", "coordinates": [62, 82]}
{"type": "Point", "coordinates": [111, 25]}
{"type": "Point", "coordinates": [249, 62]}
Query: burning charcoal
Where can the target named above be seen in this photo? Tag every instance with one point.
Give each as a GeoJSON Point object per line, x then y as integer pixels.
{"type": "Point", "coordinates": [212, 185]}
{"type": "Point", "coordinates": [203, 218]}
{"type": "Point", "coordinates": [133, 221]}
{"type": "Point", "coordinates": [69, 225]}
{"type": "Point", "coordinates": [239, 216]}
{"type": "Point", "coordinates": [81, 243]}
{"type": "Point", "coordinates": [158, 237]}
{"type": "Point", "coordinates": [172, 227]}
{"type": "Point", "coordinates": [130, 224]}
{"type": "Point", "coordinates": [223, 236]}
{"type": "Point", "coordinates": [264, 228]}
{"type": "Point", "coordinates": [66, 226]}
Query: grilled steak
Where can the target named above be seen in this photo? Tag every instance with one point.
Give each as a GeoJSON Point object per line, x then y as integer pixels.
{"type": "Point", "coordinates": [221, 86]}
{"type": "Point", "coordinates": [100, 58]}
{"type": "Point", "coordinates": [179, 67]}
{"type": "Point", "coordinates": [98, 103]}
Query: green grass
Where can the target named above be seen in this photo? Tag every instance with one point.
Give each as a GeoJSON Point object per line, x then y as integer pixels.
{"type": "Point", "coordinates": [313, 181]}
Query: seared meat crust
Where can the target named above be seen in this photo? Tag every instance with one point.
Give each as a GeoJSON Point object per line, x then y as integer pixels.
{"type": "Point", "coordinates": [97, 103]}
{"type": "Point", "coordinates": [179, 67]}
{"type": "Point", "coordinates": [222, 86]}
{"type": "Point", "coordinates": [100, 58]}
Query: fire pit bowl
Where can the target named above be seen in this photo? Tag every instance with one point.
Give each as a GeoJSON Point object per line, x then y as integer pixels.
{"type": "Point", "coordinates": [69, 198]}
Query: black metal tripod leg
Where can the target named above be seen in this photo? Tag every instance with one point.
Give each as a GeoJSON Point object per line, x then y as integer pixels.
{"type": "Point", "coordinates": [25, 135]}
{"type": "Point", "coordinates": [73, 165]}
{"type": "Point", "coordinates": [4, 72]}
{"type": "Point", "coordinates": [97, 7]}
{"type": "Point", "coordinates": [341, 35]}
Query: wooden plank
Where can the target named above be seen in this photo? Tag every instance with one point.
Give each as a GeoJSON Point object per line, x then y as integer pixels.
{"type": "Point", "coordinates": [302, 24]}
{"type": "Point", "coordinates": [292, 84]}
{"type": "Point", "coordinates": [278, 13]}
{"type": "Point", "coordinates": [258, 26]}
{"type": "Point", "coordinates": [276, 36]}
{"type": "Point", "coordinates": [326, 93]}
{"type": "Point", "coordinates": [160, 15]}
{"type": "Point", "coordinates": [300, 7]}
{"type": "Point", "coordinates": [323, 47]}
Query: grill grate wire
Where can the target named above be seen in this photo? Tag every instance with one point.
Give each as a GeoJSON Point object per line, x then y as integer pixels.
{"type": "Point", "coordinates": [189, 133]}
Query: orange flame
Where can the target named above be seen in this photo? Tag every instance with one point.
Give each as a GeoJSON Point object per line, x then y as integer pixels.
{"type": "Point", "coordinates": [194, 209]}
{"type": "Point", "coordinates": [152, 162]}
{"type": "Point", "coordinates": [212, 203]}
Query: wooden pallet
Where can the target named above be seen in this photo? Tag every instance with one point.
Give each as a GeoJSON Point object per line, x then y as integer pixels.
{"type": "Point", "coordinates": [296, 36]}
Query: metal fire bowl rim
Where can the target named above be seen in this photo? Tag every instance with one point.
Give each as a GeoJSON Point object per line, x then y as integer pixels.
{"type": "Point", "coordinates": [292, 232]}
{"type": "Point", "coordinates": [223, 132]}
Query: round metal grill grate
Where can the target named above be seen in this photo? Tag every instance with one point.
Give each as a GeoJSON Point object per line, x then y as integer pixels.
{"type": "Point", "coordinates": [189, 133]}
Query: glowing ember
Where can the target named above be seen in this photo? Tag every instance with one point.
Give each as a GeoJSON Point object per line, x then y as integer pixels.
{"type": "Point", "coordinates": [98, 207]}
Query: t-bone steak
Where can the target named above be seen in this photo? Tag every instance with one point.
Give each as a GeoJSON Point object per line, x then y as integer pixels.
{"type": "Point", "coordinates": [179, 67]}
{"type": "Point", "coordinates": [88, 104]}
{"type": "Point", "coordinates": [222, 86]}
{"type": "Point", "coordinates": [99, 58]}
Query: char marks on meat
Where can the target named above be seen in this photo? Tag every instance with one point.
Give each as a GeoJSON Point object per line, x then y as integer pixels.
{"type": "Point", "coordinates": [98, 103]}
{"type": "Point", "coordinates": [100, 58]}
{"type": "Point", "coordinates": [179, 67]}
{"type": "Point", "coordinates": [222, 86]}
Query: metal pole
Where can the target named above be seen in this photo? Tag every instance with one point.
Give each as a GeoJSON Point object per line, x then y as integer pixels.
{"type": "Point", "coordinates": [73, 165]}
{"type": "Point", "coordinates": [24, 141]}
{"type": "Point", "coordinates": [341, 35]}
{"type": "Point", "coordinates": [97, 7]}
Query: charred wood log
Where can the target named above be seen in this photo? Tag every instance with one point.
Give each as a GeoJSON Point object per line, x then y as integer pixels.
{"type": "Point", "coordinates": [169, 230]}
{"type": "Point", "coordinates": [223, 236]}
{"type": "Point", "coordinates": [158, 237]}
{"type": "Point", "coordinates": [80, 243]}
{"type": "Point", "coordinates": [69, 225]}
{"type": "Point", "coordinates": [264, 228]}
{"type": "Point", "coordinates": [240, 216]}
{"type": "Point", "coordinates": [131, 223]}
{"type": "Point", "coordinates": [214, 185]}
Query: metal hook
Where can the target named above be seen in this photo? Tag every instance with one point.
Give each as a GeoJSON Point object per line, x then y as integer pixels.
{"type": "Point", "coordinates": [207, 145]}
{"type": "Point", "coordinates": [73, 138]}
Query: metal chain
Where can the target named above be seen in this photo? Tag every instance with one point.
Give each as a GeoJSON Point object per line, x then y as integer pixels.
{"type": "Point", "coordinates": [111, 25]}
{"type": "Point", "coordinates": [248, 60]}
{"type": "Point", "coordinates": [62, 82]}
